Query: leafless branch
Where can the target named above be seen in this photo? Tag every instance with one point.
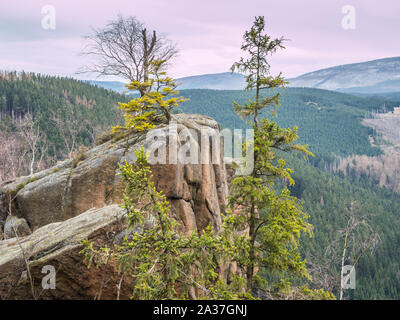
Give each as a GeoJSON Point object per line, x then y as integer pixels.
{"type": "Point", "coordinates": [124, 48]}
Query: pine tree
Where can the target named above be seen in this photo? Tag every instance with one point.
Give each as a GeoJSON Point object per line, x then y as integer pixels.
{"type": "Point", "coordinates": [274, 219]}
{"type": "Point", "coordinates": [160, 262]}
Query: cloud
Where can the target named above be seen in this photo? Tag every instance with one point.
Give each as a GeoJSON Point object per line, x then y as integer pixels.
{"type": "Point", "coordinates": [208, 33]}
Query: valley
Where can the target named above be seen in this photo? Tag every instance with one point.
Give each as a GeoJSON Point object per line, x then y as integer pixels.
{"type": "Point", "coordinates": [353, 153]}
{"type": "Point", "coordinates": [347, 167]}
{"type": "Point", "coordinates": [383, 170]}
{"type": "Point", "coordinates": [200, 151]}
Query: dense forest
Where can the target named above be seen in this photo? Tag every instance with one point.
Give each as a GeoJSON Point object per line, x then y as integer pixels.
{"type": "Point", "coordinates": [59, 106]}
{"type": "Point", "coordinates": [395, 96]}
{"type": "Point", "coordinates": [329, 122]}
{"type": "Point", "coordinates": [325, 199]}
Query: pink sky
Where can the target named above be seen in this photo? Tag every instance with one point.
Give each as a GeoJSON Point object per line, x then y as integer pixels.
{"type": "Point", "coordinates": [208, 33]}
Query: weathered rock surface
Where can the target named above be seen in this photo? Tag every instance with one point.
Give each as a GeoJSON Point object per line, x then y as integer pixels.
{"type": "Point", "coordinates": [58, 245]}
{"type": "Point", "coordinates": [16, 227]}
{"type": "Point", "coordinates": [76, 200]}
{"type": "Point", "coordinates": [197, 192]}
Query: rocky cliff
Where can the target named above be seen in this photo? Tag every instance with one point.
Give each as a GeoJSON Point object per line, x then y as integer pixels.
{"type": "Point", "coordinates": [77, 199]}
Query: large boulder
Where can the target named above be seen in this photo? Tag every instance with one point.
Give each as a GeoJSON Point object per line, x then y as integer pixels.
{"type": "Point", "coordinates": [197, 191]}
{"type": "Point", "coordinates": [56, 246]}
{"type": "Point", "coordinates": [77, 200]}
{"type": "Point", "coordinates": [16, 227]}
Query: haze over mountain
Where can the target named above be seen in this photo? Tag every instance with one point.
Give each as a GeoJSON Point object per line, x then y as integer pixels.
{"type": "Point", "coordinates": [377, 76]}
{"type": "Point", "coordinates": [117, 86]}
{"type": "Point", "coordinates": [372, 77]}
{"type": "Point", "coordinates": [216, 81]}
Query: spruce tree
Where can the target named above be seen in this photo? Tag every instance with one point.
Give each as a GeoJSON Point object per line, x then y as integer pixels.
{"type": "Point", "coordinates": [156, 259]}
{"type": "Point", "coordinates": [274, 219]}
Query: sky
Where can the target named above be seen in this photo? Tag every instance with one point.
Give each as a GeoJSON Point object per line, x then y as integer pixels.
{"type": "Point", "coordinates": [208, 33]}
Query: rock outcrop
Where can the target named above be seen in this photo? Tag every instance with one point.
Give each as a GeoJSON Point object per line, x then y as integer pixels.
{"type": "Point", "coordinates": [76, 200]}
{"type": "Point", "coordinates": [16, 227]}
{"type": "Point", "coordinates": [197, 192]}
{"type": "Point", "coordinates": [58, 245]}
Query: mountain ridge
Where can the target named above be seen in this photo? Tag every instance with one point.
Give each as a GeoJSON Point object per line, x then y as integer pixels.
{"type": "Point", "coordinates": [214, 81]}
{"type": "Point", "coordinates": [374, 76]}
{"type": "Point", "coordinates": [368, 77]}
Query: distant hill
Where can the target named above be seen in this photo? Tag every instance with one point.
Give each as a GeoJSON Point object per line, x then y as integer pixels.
{"type": "Point", "coordinates": [395, 96]}
{"type": "Point", "coordinates": [43, 96]}
{"type": "Point", "coordinates": [216, 81]}
{"type": "Point", "coordinates": [383, 87]}
{"type": "Point", "coordinates": [371, 77]}
{"type": "Point", "coordinates": [110, 85]}
{"type": "Point", "coordinates": [377, 76]}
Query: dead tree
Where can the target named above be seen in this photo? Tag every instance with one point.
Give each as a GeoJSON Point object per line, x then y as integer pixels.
{"type": "Point", "coordinates": [12, 156]}
{"type": "Point", "coordinates": [23, 149]}
{"type": "Point", "coordinates": [30, 132]}
{"type": "Point", "coordinates": [70, 125]}
{"type": "Point", "coordinates": [125, 48]}
{"type": "Point", "coordinates": [351, 244]}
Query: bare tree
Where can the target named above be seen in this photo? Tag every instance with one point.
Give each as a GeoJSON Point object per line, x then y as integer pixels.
{"type": "Point", "coordinates": [22, 150]}
{"type": "Point", "coordinates": [31, 134]}
{"type": "Point", "coordinates": [12, 156]}
{"type": "Point", "coordinates": [351, 244]}
{"type": "Point", "coordinates": [357, 238]}
{"type": "Point", "coordinates": [125, 48]}
{"type": "Point", "coordinates": [69, 125]}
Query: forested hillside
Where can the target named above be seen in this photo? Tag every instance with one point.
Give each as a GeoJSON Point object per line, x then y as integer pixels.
{"type": "Point", "coordinates": [326, 197]}
{"type": "Point", "coordinates": [45, 119]}
{"type": "Point", "coordinates": [389, 95]}
{"type": "Point", "coordinates": [330, 123]}
{"type": "Point", "coordinates": [60, 106]}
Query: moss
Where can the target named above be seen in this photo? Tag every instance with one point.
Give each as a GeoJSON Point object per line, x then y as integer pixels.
{"type": "Point", "coordinates": [11, 193]}
{"type": "Point", "coordinates": [104, 138]}
{"type": "Point", "coordinates": [120, 136]}
{"type": "Point", "coordinates": [33, 179]}
{"type": "Point", "coordinates": [19, 187]}
{"type": "Point", "coordinates": [111, 136]}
